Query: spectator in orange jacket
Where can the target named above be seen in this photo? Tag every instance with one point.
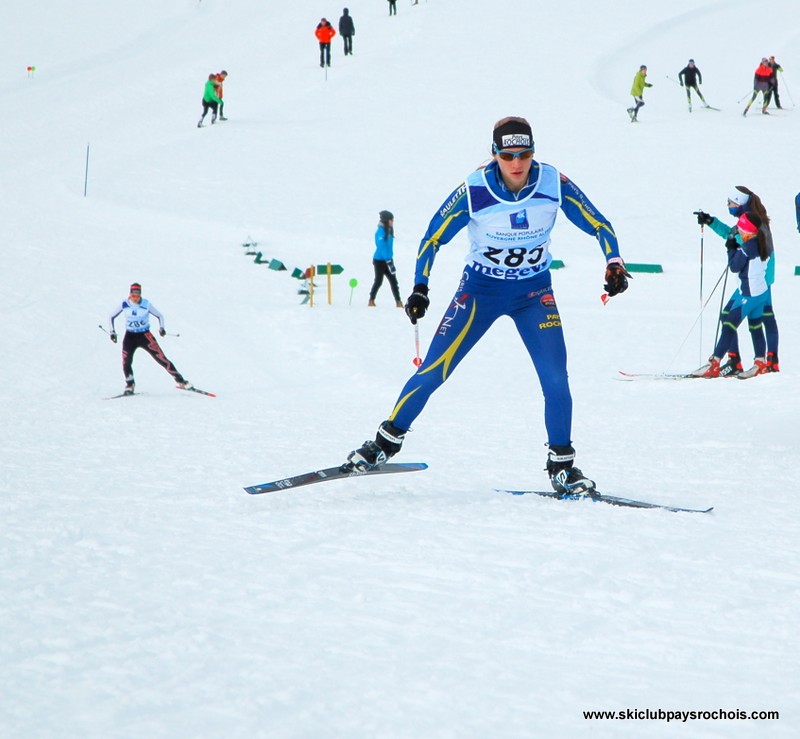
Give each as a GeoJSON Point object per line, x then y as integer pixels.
{"type": "Point", "coordinates": [762, 84]}
{"type": "Point", "coordinates": [218, 81]}
{"type": "Point", "coordinates": [324, 33]}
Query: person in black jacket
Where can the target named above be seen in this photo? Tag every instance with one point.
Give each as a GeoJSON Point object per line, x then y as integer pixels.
{"type": "Point", "coordinates": [691, 79]}
{"type": "Point", "coordinates": [347, 30]}
{"type": "Point", "coordinates": [773, 80]}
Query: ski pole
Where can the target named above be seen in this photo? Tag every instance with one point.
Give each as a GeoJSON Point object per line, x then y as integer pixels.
{"type": "Point", "coordinates": [744, 97]}
{"type": "Point", "coordinates": [719, 315]}
{"type": "Point", "coordinates": [673, 79]}
{"type": "Point", "coordinates": [417, 359]}
{"type": "Point", "coordinates": [100, 326]}
{"type": "Point", "coordinates": [702, 232]}
{"type": "Point", "coordinates": [86, 175]}
{"type": "Point", "coordinates": [699, 315]}
{"type": "Point", "coordinates": [788, 91]}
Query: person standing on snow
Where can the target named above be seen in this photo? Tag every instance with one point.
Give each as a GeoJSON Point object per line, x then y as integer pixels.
{"type": "Point", "coordinates": [219, 81]}
{"type": "Point", "coordinates": [743, 201]}
{"type": "Point", "coordinates": [392, 7]}
{"type": "Point", "coordinates": [137, 312]}
{"type": "Point", "coordinates": [347, 29]}
{"type": "Point", "coordinates": [691, 79]}
{"type": "Point", "coordinates": [383, 259]}
{"type": "Point", "coordinates": [637, 90]}
{"type": "Point", "coordinates": [747, 257]}
{"type": "Point", "coordinates": [324, 33]}
{"type": "Point", "coordinates": [210, 100]}
{"type": "Point", "coordinates": [761, 83]}
{"type": "Point", "coordinates": [509, 208]}
{"type": "Point", "coordinates": [797, 210]}
{"type": "Point", "coordinates": [773, 80]}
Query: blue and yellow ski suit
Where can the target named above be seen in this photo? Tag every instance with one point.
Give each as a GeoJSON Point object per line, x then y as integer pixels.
{"type": "Point", "coordinates": [507, 274]}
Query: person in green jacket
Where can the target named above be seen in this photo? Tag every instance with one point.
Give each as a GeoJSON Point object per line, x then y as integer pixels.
{"type": "Point", "coordinates": [637, 90]}
{"type": "Point", "coordinates": [210, 100]}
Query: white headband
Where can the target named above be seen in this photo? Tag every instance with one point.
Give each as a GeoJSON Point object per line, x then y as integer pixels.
{"type": "Point", "coordinates": [738, 197]}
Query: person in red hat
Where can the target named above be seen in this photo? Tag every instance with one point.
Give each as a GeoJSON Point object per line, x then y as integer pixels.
{"type": "Point", "coordinates": [748, 255]}
{"type": "Point", "coordinates": [137, 312]}
{"type": "Point", "coordinates": [325, 33]}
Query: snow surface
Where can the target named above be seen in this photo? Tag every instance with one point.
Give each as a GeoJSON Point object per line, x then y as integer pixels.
{"type": "Point", "coordinates": [145, 594]}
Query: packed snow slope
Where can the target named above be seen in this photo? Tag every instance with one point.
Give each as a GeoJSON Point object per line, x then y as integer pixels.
{"type": "Point", "coordinates": [143, 593]}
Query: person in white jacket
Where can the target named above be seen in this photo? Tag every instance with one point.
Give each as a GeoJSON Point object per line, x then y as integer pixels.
{"type": "Point", "coordinates": [137, 312]}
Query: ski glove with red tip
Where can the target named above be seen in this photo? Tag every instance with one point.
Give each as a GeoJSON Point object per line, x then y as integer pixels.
{"type": "Point", "coordinates": [417, 302]}
{"type": "Point", "coordinates": [616, 277]}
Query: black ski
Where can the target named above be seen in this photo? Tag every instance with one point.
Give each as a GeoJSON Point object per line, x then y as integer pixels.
{"type": "Point", "coordinates": [597, 497]}
{"type": "Point", "coordinates": [122, 395]}
{"type": "Point", "coordinates": [331, 473]}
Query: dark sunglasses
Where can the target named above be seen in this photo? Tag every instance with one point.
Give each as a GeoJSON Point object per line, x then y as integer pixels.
{"type": "Point", "coordinates": [508, 156]}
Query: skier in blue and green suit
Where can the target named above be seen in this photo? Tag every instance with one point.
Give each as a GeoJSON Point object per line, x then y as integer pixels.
{"type": "Point", "coordinates": [509, 208]}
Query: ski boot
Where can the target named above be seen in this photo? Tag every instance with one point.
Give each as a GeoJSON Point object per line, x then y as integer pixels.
{"type": "Point", "coordinates": [182, 383]}
{"type": "Point", "coordinates": [566, 479]}
{"type": "Point", "coordinates": [130, 387]}
{"type": "Point", "coordinates": [372, 454]}
{"type": "Point", "coordinates": [709, 370]}
{"type": "Point", "coordinates": [760, 367]}
{"type": "Point", "coordinates": [732, 367]}
{"type": "Point", "coordinates": [772, 362]}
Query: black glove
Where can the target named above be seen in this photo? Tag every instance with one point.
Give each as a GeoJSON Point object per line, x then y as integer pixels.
{"type": "Point", "coordinates": [417, 302]}
{"type": "Point", "coordinates": [703, 218]}
{"type": "Point", "coordinates": [113, 336]}
{"type": "Point", "coordinates": [616, 278]}
{"type": "Point", "coordinates": [162, 332]}
{"type": "Point", "coordinates": [731, 242]}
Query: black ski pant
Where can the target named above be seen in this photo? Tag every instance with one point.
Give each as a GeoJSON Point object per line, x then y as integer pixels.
{"type": "Point", "coordinates": [689, 89]}
{"type": "Point", "coordinates": [145, 340]}
{"type": "Point", "coordinates": [775, 97]}
{"type": "Point", "coordinates": [324, 54]}
{"type": "Point", "coordinates": [209, 105]}
{"type": "Point", "coordinates": [348, 44]}
{"type": "Point", "coordinates": [387, 270]}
